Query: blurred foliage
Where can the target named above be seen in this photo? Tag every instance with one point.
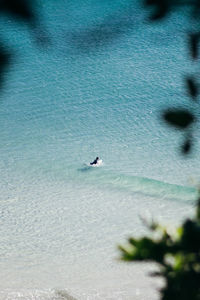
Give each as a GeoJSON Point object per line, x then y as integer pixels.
{"type": "Point", "coordinates": [180, 118]}
{"type": "Point", "coordinates": [20, 9]}
{"type": "Point", "coordinates": [23, 11]}
{"type": "Point", "coordinates": [178, 256]}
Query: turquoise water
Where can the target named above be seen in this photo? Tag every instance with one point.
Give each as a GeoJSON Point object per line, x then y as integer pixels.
{"type": "Point", "coordinates": [97, 90]}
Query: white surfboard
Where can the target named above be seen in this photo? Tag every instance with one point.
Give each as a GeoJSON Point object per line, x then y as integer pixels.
{"type": "Point", "coordinates": [99, 163]}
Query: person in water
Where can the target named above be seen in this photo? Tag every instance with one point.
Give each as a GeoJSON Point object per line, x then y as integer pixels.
{"type": "Point", "coordinates": [95, 161]}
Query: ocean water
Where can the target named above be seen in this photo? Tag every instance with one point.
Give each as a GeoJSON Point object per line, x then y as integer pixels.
{"type": "Point", "coordinates": [96, 90]}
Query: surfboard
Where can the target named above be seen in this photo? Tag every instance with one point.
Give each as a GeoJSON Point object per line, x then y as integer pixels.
{"type": "Point", "coordinates": [99, 163]}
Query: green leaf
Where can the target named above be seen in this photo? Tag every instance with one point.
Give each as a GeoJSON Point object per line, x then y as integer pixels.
{"type": "Point", "coordinates": [180, 118]}
{"type": "Point", "coordinates": [198, 210]}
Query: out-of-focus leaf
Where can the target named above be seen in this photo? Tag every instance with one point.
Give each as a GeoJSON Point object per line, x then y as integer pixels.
{"type": "Point", "coordinates": [191, 236]}
{"type": "Point", "coordinates": [180, 118]}
{"type": "Point", "coordinates": [5, 58]}
{"type": "Point", "coordinates": [196, 8]}
{"type": "Point", "coordinates": [160, 13]}
{"type": "Point", "coordinates": [186, 147]}
{"type": "Point", "coordinates": [198, 210]}
{"type": "Point", "coordinates": [193, 44]}
{"type": "Point", "coordinates": [127, 254]}
{"type": "Point", "coordinates": [192, 87]}
{"type": "Point", "coordinates": [21, 9]}
{"type": "Point", "coordinates": [179, 260]}
{"type": "Point", "coordinates": [179, 231]}
{"type": "Point", "coordinates": [161, 8]}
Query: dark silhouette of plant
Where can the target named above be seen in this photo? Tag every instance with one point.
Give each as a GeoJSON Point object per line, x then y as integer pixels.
{"type": "Point", "coordinates": [180, 118]}
{"type": "Point", "coordinates": [177, 255]}
{"type": "Point", "coordinates": [20, 11]}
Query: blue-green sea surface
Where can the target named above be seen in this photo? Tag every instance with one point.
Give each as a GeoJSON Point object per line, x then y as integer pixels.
{"type": "Point", "coordinates": [98, 89]}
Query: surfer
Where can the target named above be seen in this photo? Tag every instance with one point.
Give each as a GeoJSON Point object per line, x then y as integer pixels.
{"type": "Point", "coordinates": [95, 161]}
